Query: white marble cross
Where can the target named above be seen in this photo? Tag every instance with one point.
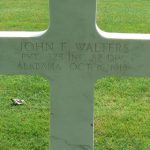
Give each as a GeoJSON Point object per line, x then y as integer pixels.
{"type": "Point", "coordinates": [72, 54]}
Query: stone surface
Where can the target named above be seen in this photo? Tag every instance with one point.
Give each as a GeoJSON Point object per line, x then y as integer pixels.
{"type": "Point", "coordinates": [72, 54]}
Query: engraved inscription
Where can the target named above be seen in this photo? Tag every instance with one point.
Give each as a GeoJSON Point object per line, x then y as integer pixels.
{"type": "Point", "coordinates": [78, 56]}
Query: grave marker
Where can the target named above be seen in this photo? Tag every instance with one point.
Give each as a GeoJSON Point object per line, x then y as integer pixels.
{"type": "Point", "coordinates": [73, 55]}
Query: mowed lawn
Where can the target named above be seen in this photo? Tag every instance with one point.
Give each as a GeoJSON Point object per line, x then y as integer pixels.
{"type": "Point", "coordinates": [124, 15]}
{"type": "Point", "coordinates": [122, 105]}
{"type": "Point", "coordinates": [122, 114]}
{"type": "Point", "coordinates": [24, 15]}
{"type": "Point", "coordinates": [112, 15]}
{"type": "Point", "coordinates": [25, 127]}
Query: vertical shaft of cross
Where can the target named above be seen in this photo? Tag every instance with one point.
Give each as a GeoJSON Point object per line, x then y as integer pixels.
{"type": "Point", "coordinates": [72, 114]}
{"type": "Point", "coordinates": [72, 17]}
{"type": "Point", "coordinates": [72, 95]}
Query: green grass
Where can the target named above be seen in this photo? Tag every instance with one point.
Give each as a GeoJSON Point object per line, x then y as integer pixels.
{"type": "Point", "coordinates": [124, 15]}
{"type": "Point", "coordinates": [112, 15]}
{"type": "Point", "coordinates": [23, 15]}
{"type": "Point", "coordinates": [122, 105]}
{"type": "Point", "coordinates": [24, 127]}
{"type": "Point", "coordinates": [122, 114]}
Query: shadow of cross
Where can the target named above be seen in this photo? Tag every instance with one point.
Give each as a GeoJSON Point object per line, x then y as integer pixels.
{"type": "Point", "coordinates": [73, 55]}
